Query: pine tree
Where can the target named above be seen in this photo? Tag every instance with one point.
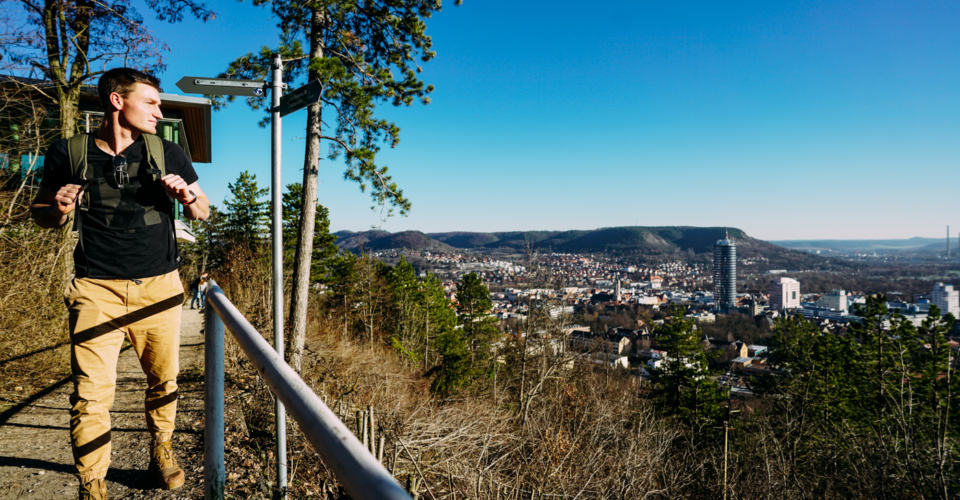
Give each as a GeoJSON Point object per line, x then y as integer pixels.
{"type": "Point", "coordinates": [810, 392]}
{"type": "Point", "coordinates": [479, 327]}
{"type": "Point", "coordinates": [408, 304]}
{"type": "Point", "coordinates": [324, 243]}
{"type": "Point", "coordinates": [877, 401]}
{"type": "Point", "coordinates": [681, 387]}
{"type": "Point", "coordinates": [455, 370]}
{"type": "Point", "coordinates": [929, 419]}
{"type": "Point", "coordinates": [343, 285]}
{"type": "Point", "coordinates": [247, 214]}
{"type": "Point", "coordinates": [440, 317]}
{"type": "Point", "coordinates": [473, 311]}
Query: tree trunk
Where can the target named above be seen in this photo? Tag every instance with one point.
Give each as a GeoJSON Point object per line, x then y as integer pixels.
{"type": "Point", "coordinates": [308, 216]}
{"type": "Point", "coordinates": [426, 340]}
{"type": "Point", "coordinates": [69, 113]}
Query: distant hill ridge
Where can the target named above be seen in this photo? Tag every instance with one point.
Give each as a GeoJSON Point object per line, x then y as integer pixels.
{"type": "Point", "coordinates": [383, 240]}
{"type": "Point", "coordinates": [911, 244]}
{"type": "Point", "coordinates": [624, 240]}
{"type": "Point", "coordinates": [654, 240]}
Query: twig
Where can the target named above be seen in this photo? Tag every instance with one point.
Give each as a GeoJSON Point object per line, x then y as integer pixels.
{"type": "Point", "coordinates": [415, 464]}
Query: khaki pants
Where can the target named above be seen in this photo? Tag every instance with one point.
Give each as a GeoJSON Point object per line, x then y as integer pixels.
{"type": "Point", "coordinates": [102, 314]}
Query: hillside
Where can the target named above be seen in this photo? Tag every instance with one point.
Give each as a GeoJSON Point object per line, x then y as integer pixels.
{"type": "Point", "coordinates": [351, 240]}
{"type": "Point", "coordinates": [624, 241]}
{"type": "Point", "coordinates": [645, 240]}
{"type": "Point", "coordinates": [383, 240]}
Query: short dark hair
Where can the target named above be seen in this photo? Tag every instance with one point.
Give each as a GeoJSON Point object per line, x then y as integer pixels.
{"type": "Point", "coordinates": [122, 81]}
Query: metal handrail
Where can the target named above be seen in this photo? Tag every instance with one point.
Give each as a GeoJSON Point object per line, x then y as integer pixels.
{"type": "Point", "coordinates": [353, 465]}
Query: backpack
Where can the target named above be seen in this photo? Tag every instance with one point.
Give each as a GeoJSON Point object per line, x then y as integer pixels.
{"type": "Point", "coordinates": [195, 284]}
{"type": "Point", "coordinates": [77, 154]}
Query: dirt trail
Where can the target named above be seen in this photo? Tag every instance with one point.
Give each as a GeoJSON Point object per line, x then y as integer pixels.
{"type": "Point", "coordinates": [35, 457]}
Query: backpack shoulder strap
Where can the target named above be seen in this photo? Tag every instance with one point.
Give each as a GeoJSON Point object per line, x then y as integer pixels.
{"type": "Point", "coordinates": [154, 155]}
{"type": "Point", "coordinates": [154, 147]}
{"type": "Point", "coordinates": [77, 155]}
{"type": "Point", "coordinates": [77, 152]}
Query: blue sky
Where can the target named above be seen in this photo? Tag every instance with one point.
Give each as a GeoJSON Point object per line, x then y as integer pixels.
{"type": "Point", "coordinates": [789, 120]}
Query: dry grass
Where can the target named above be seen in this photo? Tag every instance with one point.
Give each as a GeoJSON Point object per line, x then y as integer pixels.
{"type": "Point", "coordinates": [585, 437]}
{"type": "Point", "coordinates": [33, 322]}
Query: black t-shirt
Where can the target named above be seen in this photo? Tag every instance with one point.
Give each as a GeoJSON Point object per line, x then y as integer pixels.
{"type": "Point", "coordinates": [121, 236]}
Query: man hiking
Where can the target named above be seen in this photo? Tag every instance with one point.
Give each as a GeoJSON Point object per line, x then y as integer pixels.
{"type": "Point", "coordinates": [121, 183]}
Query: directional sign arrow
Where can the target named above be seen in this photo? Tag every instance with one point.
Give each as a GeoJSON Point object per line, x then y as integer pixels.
{"type": "Point", "coordinates": [301, 98]}
{"type": "Point", "coordinates": [220, 86]}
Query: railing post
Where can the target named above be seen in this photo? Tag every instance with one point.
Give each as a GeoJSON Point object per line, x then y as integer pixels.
{"type": "Point", "coordinates": [213, 466]}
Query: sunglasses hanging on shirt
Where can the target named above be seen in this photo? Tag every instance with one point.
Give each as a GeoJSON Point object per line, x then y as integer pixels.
{"type": "Point", "coordinates": [120, 171]}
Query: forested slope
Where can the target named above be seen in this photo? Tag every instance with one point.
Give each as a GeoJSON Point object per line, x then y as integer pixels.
{"type": "Point", "coordinates": [657, 242]}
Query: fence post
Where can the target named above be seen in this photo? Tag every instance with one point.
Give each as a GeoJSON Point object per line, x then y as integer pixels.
{"type": "Point", "coordinates": [213, 467]}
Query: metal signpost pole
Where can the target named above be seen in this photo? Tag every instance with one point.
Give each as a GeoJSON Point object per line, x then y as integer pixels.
{"type": "Point", "coordinates": [276, 86]}
{"type": "Point", "coordinates": [280, 106]}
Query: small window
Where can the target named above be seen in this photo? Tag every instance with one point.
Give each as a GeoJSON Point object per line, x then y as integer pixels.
{"type": "Point", "coordinates": [793, 295]}
{"type": "Point", "coordinates": [169, 131]}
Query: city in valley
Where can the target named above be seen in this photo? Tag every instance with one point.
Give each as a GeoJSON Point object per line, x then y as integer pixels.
{"type": "Point", "coordinates": [610, 304]}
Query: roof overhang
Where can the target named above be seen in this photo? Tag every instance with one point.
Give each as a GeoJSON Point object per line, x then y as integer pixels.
{"type": "Point", "coordinates": [195, 113]}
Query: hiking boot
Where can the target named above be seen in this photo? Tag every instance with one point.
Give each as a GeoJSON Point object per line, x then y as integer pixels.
{"type": "Point", "coordinates": [164, 466]}
{"type": "Point", "coordinates": [95, 489]}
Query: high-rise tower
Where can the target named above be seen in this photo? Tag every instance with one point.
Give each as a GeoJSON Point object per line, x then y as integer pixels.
{"type": "Point", "coordinates": [725, 274]}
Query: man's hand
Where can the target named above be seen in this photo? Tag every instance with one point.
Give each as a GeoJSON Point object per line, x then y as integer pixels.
{"type": "Point", "coordinates": [50, 209]}
{"type": "Point", "coordinates": [177, 188]}
{"type": "Point", "coordinates": [66, 199]}
{"type": "Point", "coordinates": [196, 206]}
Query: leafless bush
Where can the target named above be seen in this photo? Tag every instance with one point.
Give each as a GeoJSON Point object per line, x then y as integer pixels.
{"type": "Point", "coordinates": [32, 261]}
{"type": "Point", "coordinates": [33, 321]}
{"type": "Point", "coordinates": [586, 436]}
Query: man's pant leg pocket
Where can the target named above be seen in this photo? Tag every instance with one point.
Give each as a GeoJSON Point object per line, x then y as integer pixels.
{"type": "Point", "coordinates": [70, 293]}
{"type": "Point", "coordinates": [71, 299]}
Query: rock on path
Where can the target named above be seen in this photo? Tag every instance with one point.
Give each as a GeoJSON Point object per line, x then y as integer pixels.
{"type": "Point", "coordinates": [35, 457]}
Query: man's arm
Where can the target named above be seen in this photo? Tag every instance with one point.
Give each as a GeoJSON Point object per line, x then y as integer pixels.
{"type": "Point", "coordinates": [178, 188]}
{"type": "Point", "coordinates": [50, 209]}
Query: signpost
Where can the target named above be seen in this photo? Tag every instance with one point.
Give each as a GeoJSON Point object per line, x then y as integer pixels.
{"type": "Point", "coordinates": [221, 86]}
{"type": "Point", "coordinates": [301, 98]}
{"type": "Point", "coordinates": [280, 107]}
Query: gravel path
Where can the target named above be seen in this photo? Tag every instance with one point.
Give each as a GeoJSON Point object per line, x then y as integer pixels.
{"type": "Point", "coordinates": [35, 457]}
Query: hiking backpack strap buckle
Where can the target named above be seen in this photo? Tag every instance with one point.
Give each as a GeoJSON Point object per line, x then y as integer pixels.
{"type": "Point", "coordinates": [154, 157]}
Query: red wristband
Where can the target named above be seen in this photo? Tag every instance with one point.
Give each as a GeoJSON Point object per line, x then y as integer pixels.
{"type": "Point", "coordinates": [191, 202]}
